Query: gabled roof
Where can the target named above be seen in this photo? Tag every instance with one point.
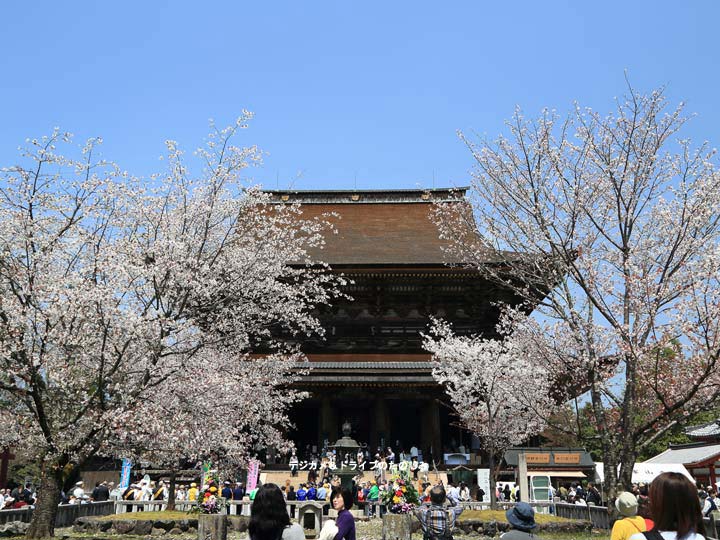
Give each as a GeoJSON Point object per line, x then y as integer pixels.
{"type": "Point", "coordinates": [690, 454]}
{"type": "Point", "coordinates": [385, 227]}
{"type": "Point", "coordinates": [711, 429]}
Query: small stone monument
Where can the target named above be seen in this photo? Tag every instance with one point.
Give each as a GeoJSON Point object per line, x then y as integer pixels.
{"type": "Point", "coordinates": [212, 527]}
{"type": "Point", "coordinates": [397, 526]}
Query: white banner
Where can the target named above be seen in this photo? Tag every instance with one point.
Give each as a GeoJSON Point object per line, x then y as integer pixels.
{"type": "Point", "coordinates": [483, 480]}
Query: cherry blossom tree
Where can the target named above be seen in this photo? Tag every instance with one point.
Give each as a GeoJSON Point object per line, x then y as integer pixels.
{"type": "Point", "coordinates": [495, 389]}
{"type": "Point", "coordinates": [113, 290]}
{"type": "Point", "coordinates": [608, 227]}
{"type": "Point", "coordinates": [223, 408]}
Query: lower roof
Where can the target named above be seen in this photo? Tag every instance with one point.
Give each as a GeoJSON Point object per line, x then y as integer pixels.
{"type": "Point", "coordinates": [697, 454]}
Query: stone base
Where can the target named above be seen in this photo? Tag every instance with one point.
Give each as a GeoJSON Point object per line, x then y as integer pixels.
{"type": "Point", "coordinates": [397, 526]}
{"type": "Point", "coordinates": [212, 527]}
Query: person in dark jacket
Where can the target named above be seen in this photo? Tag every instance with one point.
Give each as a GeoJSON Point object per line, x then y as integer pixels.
{"type": "Point", "coordinates": [342, 501]}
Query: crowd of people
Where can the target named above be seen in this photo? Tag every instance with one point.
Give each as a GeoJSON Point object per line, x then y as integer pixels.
{"type": "Point", "coordinates": [670, 508]}
{"type": "Point", "coordinates": [17, 497]}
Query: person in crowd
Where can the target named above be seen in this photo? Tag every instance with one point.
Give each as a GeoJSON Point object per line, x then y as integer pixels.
{"type": "Point", "coordinates": [414, 467]}
{"type": "Point", "coordinates": [322, 492]}
{"type": "Point", "coordinates": [193, 492]}
{"type": "Point", "coordinates": [713, 494]}
{"type": "Point", "coordinates": [311, 494]}
{"type": "Point", "coordinates": [100, 493]}
{"type": "Point", "coordinates": [707, 503]}
{"type": "Point", "coordinates": [521, 518]}
{"type": "Point", "coordinates": [372, 498]}
{"type": "Point", "coordinates": [342, 502]}
{"type": "Point", "coordinates": [269, 519]}
{"type": "Point", "coordinates": [160, 493]}
{"type": "Point", "coordinates": [464, 492]}
{"type": "Point", "coordinates": [238, 492]}
{"type": "Point", "coordinates": [675, 510]}
{"type": "Point", "coordinates": [294, 463]}
{"type": "Point", "coordinates": [302, 493]}
{"type": "Point", "coordinates": [593, 495]}
{"type": "Point", "coordinates": [227, 491]}
{"type": "Point", "coordinates": [436, 521]}
{"type": "Point", "coordinates": [506, 492]}
{"type": "Point", "coordinates": [629, 522]}
{"type": "Point", "coordinates": [79, 492]}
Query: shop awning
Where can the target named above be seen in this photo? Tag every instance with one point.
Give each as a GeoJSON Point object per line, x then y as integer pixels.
{"type": "Point", "coordinates": [560, 474]}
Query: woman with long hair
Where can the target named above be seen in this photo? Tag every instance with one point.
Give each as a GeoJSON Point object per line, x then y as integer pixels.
{"type": "Point", "coordinates": [675, 510]}
{"type": "Point", "coordinates": [269, 519]}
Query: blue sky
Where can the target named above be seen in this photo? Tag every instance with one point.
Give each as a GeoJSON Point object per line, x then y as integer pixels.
{"type": "Point", "coordinates": [346, 94]}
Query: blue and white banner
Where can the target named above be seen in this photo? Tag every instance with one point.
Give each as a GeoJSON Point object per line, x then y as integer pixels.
{"type": "Point", "coordinates": [125, 473]}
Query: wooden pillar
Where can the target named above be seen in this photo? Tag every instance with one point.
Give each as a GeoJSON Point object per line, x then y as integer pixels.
{"type": "Point", "coordinates": [328, 421]}
{"type": "Point", "coordinates": [712, 474]}
{"type": "Point", "coordinates": [5, 457]}
{"type": "Point", "coordinates": [431, 436]}
{"type": "Point", "coordinates": [379, 429]}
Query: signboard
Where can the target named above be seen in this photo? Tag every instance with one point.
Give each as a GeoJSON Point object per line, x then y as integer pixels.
{"type": "Point", "coordinates": [540, 488]}
{"type": "Point", "coordinates": [537, 458]}
{"type": "Point", "coordinates": [125, 473]}
{"type": "Point", "coordinates": [567, 459]}
{"type": "Point", "coordinates": [483, 481]}
{"type": "Point", "coordinates": [252, 477]}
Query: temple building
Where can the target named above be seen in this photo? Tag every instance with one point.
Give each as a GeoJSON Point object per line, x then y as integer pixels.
{"type": "Point", "coordinates": [700, 457]}
{"type": "Point", "coordinates": [370, 368]}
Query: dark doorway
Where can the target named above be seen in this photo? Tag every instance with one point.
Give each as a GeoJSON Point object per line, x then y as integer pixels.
{"type": "Point", "coordinates": [358, 413]}
{"type": "Point", "coordinates": [304, 417]}
{"type": "Point", "coordinates": [406, 423]}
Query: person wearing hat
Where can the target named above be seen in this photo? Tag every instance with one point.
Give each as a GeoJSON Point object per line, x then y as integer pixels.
{"type": "Point", "coordinates": [629, 522]}
{"type": "Point", "coordinates": [521, 518]}
{"type": "Point", "coordinates": [79, 492]}
{"type": "Point", "coordinates": [193, 492]}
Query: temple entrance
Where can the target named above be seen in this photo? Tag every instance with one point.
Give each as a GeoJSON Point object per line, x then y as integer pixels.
{"type": "Point", "coordinates": [358, 414]}
{"type": "Point", "coordinates": [405, 424]}
{"type": "Point", "coordinates": [304, 417]}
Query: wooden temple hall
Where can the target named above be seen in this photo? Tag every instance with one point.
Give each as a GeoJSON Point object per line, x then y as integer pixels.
{"type": "Point", "coordinates": [371, 368]}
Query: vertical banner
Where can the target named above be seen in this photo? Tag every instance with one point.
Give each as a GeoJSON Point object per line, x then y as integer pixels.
{"type": "Point", "coordinates": [125, 473]}
{"type": "Point", "coordinates": [483, 480]}
{"type": "Point", "coordinates": [206, 473]}
{"type": "Point", "coordinates": [253, 472]}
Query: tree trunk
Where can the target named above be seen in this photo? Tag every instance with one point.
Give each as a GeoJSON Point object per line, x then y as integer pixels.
{"type": "Point", "coordinates": [42, 524]}
{"type": "Point", "coordinates": [171, 490]}
{"type": "Point", "coordinates": [627, 462]}
{"type": "Point", "coordinates": [491, 463]}
{"type": "Point", "coordinates": [610, 483]}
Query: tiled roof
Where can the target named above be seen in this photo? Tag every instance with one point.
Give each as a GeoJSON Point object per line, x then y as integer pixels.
{"type": "Point", "coordinates": [711, 429]}
{"type": "Point", "coordinates": [377, 227]}
{"type": "Point", "coordinates": [687, 454]}
{"type": "Point", "coordinates": [371, 365]}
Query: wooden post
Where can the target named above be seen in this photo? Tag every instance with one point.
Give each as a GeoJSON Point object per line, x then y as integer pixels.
{"type": "Point", "coordinates": [5, 457]}
{"type": "Point", "coordinates": [523, 477]}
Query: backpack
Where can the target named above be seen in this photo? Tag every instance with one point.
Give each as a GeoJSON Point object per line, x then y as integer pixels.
{"type": "Point", "coordinates": [712, 508]}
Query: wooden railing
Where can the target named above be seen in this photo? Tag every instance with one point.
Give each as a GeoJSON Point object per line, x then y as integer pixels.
{"type": "Point", "coordinates": [598, 515]}
{"type": "Point", "coordinates": [66, 515]}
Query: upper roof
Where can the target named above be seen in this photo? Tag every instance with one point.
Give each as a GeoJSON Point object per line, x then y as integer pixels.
{"type": "Point", "coordinates": [377, 227]}
{"type": "Point", "coordinates": [709, 430]}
